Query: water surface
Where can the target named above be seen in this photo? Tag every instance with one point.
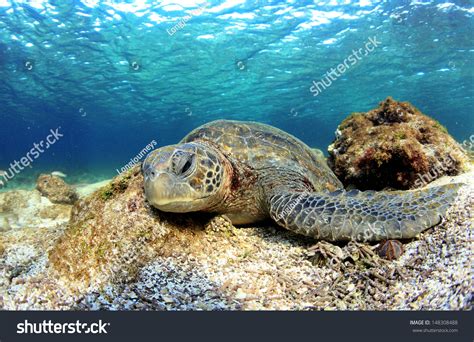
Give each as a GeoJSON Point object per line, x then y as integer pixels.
{"type": "Point", "coordinates": [115, 75]}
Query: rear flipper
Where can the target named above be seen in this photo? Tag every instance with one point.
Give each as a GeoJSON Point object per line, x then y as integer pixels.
{"type": "Point", "coordinates": [362, 216]}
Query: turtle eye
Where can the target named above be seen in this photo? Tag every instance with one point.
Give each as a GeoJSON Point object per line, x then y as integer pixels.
{"type": "Point", "coordinates": [186, 166]}
{"type": "Point", "coordinates": [183, 164]}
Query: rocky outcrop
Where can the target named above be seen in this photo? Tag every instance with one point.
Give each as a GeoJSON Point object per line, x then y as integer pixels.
{"type": "Point", "coordinates": [56, 189]}
{"type": "Point", "coordinates": [393, 146]}
{"type": "Point", "coordinates": [22, 209]}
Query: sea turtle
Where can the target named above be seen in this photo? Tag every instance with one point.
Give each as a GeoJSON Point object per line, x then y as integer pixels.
{"type": "Point", "coordinates": [251, 171]}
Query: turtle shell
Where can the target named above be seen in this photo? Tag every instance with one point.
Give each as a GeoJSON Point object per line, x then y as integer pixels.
{"type": "Point", "coordinates": [262, 147]}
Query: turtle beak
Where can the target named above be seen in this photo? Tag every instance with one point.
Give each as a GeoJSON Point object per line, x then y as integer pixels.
{"type": "Point", "coordinates": [166, 192]}
{"type": "Point", "coordinates": [160, 188]}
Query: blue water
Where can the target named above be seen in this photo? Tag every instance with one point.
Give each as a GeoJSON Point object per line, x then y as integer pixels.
{"type": "Point", "coordinates": [114, 75]}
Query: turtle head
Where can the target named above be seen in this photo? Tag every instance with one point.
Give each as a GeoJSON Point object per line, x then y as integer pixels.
{"type": "Point", "coordinates": [185, 177]}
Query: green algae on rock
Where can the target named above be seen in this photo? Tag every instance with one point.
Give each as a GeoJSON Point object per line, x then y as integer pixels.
{"type": "Point", "coordinates": [56, 189]}
{"type": "Point", "coordinates": [393, 146]}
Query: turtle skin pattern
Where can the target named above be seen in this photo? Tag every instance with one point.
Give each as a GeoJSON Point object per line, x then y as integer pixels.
{"type": "Point", "coordinates": [362, 216]}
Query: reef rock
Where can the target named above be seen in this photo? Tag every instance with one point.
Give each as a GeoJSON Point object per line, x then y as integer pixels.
{"type": "Point", "coordinates": [393, 146]}
{"type": "Point", "coordinates": [56, 189]}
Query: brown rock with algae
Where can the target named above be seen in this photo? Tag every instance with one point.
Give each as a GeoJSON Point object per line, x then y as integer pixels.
{"type": "Point", "coordinates": [393, 146]}
{"type": "Point", "coordinates": [56, 189]}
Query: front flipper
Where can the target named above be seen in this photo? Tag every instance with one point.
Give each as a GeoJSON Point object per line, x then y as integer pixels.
{"type": "Point", "coordinates": [362, 216]}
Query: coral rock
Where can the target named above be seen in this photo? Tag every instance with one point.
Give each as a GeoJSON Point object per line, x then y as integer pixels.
{"type": "Point", "coordinates": [393, 146]}
{"type": "Point", "coordinates": [56, 189]}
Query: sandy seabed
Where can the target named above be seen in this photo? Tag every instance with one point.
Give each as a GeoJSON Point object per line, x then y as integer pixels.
{"type": "Point", "coordinates": [252, 268]}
